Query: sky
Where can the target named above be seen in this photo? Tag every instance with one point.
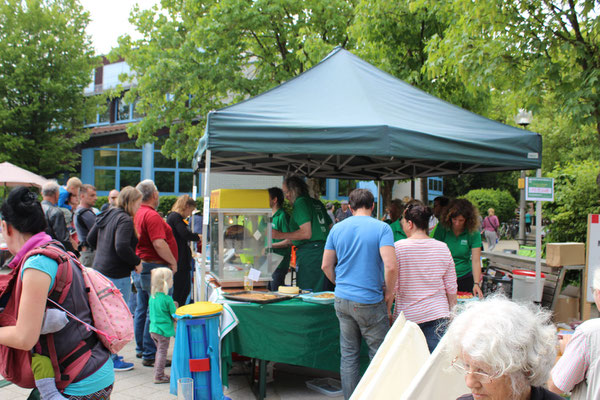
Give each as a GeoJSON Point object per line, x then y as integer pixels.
{"type": "Point", "coordinates": [109, 20]}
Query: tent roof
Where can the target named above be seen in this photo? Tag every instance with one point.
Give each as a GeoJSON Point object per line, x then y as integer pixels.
{"type": "Point", "coordinates": [11, 175]}
{"type": "Point", "coordinates": [344, 118]}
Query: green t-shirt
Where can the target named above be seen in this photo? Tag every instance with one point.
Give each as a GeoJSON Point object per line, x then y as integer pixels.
{"type": "Point", "coordinates": [307, 209]}
{"type": "Point", "coordinates": [161, 306]}
{"type": "Point", "coordinates": [281, 222]}
{"type": "Point", "coordinates": [397, 230]}
{"type": "Point", "coordinates": [460, 247]}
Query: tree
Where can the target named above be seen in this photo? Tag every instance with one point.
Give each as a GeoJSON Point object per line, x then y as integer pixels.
{"type": "Point", "coordinates": [526, 51]}
{"type": "Point", "coordinates": [197, 56]}
{"type": "Point", "coordinates": [46, 60]}
{"type": "Point", "coordinates": [576, 195]}
{"type": "Point", "coordinates": [501, 201]}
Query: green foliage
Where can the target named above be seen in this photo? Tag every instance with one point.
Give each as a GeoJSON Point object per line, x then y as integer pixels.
{"type": "Point", "coordinates": [166, 203]}
{"type": "Point", "coordinates": [195, 57]}
{"type": "Point", "coordinates": [46, 59]}
{"type": "Point", "coordinates": [575, 196]}
{"type": "Point", "coordinates": [100, 201]}
{"type": "Point", "coordinates": [456, 186]}
{"type": "Point", "coordinates": [500, 200]}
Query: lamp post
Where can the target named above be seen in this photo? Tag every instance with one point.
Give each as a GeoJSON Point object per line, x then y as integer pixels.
{"type": "Point", "coordinates": [523, 118]}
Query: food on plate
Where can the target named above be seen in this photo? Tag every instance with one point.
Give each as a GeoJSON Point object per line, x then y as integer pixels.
{"type": "Point", "coordinates": [289, 289]}
{"type": "Point", "coordinates": [464, 295]}
{"type": "Point", "coordinates": [257, 296]}
{"type": "Point", "coordinates": [325, 296]}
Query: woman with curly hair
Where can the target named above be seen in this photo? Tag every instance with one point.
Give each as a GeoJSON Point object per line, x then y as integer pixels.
{"type": "Point", "coordinates": [458, 228]}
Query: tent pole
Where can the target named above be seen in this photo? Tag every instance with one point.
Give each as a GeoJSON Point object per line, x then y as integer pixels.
{"type": "Point", "coordinates": [194, 197]}
{"type": "Point", "coordinates": [205, 219]}
{"type": "Point", "coordinates": [538, 241]}
{"type": "Point", "coordinates": [378, 199]}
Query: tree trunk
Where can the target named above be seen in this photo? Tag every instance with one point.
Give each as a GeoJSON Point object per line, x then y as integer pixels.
{"type": "Point", "coordinates": [424, 190]}
{"type": "Point", "coordinates": [314, 189]}
{"type": "Point", "coordinates": [386, 194]}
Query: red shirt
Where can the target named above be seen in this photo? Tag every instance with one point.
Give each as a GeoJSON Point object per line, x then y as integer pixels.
{"type": "Point", "coordinates": [150, 227]}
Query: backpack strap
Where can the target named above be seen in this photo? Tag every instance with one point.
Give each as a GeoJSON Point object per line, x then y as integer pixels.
{"type": "Point", "coordinates": [64, 275]}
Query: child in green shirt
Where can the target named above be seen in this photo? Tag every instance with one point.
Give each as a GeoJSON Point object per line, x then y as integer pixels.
{"type": "Point", "coordinates": [161, 308]}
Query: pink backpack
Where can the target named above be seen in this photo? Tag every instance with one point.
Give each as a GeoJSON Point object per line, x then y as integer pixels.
{"type": "Point", "coordinates": [113, 322]}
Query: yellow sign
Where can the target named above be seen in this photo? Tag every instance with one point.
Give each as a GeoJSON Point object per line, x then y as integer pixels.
{"type": "Point", "coordinates": [521, 183]}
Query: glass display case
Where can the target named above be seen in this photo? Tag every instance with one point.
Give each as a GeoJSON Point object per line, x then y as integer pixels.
{"type": "Point", "coordinates": [240, 238]}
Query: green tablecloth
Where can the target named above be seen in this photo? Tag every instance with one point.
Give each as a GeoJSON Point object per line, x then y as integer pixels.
{"type": "Point", "coordinates": [291, 332]}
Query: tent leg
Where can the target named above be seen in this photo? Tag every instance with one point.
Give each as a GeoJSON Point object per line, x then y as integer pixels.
{"type": "Point", "coordinates": [378, 199]}
{"type": "Point", "coordinates": [538, 241]}
{"type": "Point", "coordinates": [194, 196]}
{"type": "Point", "coordinates": [205, 219]}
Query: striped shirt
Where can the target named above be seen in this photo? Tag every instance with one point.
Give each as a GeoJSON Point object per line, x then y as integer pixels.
{"type": "Point", "coordinates": [578, 370]}
{"type": "Point", "coordinates": [425, 275]}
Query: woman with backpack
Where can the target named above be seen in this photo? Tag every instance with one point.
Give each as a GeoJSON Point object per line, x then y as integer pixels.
{"type": "Point", "coordinates": [36, 278]}
{"type": "Point", "coordinates": [114, 238]}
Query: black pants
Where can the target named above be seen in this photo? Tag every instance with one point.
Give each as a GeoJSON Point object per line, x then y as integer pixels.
{"type": "Point", "coordinates": [181, 285]}
{"type": "Point", "coordinates": [466, 283]}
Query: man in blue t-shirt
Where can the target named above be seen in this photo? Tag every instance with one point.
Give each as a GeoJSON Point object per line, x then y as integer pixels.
{"type": "Point", "coordinates": [359, 258]}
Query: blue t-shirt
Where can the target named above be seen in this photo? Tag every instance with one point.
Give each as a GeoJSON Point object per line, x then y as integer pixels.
{"type": "Point", "coordinates": [359, 273]}
{"type": "Point", "coordinates": [63, 198]}
{"type": "Point", "coordinates": [105, 375]}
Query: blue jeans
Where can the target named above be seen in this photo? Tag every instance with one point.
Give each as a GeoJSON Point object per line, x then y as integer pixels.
{"type": "Point", "coordinates": [143, 340]}
{"type": "Point", "coordinates": [124, 286]}
{"type": "Point", "coordinates": [433, 331]}
{"type": "Point", "coordinates": [358, 320]}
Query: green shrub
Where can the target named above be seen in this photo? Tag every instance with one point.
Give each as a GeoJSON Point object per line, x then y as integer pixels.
{"type": "Point", "coordinates": [500, 200]}
{"type": "Point", "coordinates": [166, 203]}
{"type": "Point", "coordinates": [576, 195]}
{"type": "Point", "coordinates": [100, 201]}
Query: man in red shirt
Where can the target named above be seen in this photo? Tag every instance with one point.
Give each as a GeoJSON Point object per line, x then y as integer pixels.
{"type": "Point", "coordinates": [157, 248]}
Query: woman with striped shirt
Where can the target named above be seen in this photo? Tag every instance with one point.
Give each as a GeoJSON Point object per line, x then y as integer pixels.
{"type": "Point", "coordinates": [426, 286]}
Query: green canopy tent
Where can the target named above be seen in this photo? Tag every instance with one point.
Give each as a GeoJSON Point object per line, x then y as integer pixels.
{"type": "Point", "coordinates": [346, 119]}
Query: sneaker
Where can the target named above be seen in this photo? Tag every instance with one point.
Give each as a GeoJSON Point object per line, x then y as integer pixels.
{"type": "Point", "coordinates": [138, 355]}
{"type": "Point", "coordinates": [120, 365]}
{"type": "Point", "coordinates": [164, 379]}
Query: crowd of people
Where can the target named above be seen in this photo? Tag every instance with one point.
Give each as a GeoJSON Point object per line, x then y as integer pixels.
{"type": "Point", "coordinates": [413, 263]}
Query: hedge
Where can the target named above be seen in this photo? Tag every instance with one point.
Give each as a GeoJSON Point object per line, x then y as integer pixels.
{"type": "Point", "coordinates": [500, 200]}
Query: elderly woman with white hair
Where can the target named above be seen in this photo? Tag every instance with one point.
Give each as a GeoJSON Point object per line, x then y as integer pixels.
{"type": "Point", "coordinates": [578, 370]}
{"type": "Point", "coordinates": [504, 349]}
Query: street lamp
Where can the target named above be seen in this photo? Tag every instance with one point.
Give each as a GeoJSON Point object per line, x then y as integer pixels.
{"type": "Point", "coordinates": [523, 118]}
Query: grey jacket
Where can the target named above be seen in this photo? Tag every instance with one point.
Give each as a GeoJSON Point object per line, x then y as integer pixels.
{"type": "Point", "coordinates": [57, 228]}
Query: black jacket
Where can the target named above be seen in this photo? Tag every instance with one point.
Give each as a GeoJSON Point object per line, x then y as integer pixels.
{"type": "Point", "coordinates": [183, 235]}
{"type": "Point", "coordinates": [56, 225]}
{"type": "Point", "coordinates": [113, 236]}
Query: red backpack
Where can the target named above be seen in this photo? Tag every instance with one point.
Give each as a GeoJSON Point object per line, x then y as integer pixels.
{"type": "Point", "coordinates": [71, 348]}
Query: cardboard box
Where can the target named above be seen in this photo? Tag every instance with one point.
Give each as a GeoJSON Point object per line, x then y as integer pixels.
{"type": "Point", "coordinates": [561, 254]}
{"type": "Point", "coordinates": [567, 309]}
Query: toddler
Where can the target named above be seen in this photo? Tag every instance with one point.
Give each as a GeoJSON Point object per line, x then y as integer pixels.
{"type": "Point", "coordinates": [161, 307]}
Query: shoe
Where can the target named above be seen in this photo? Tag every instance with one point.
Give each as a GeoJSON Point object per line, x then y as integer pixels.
{"type": "Point", "coordinates": [120, 365]}
{"type": "Point", "coordinates": [164, 379]}
{"type": "Point", "coordinates": [138, 355]}
{"type": "Point", "coordinates": [150, 363]}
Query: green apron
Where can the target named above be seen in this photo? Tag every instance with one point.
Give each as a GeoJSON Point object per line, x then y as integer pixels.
{"type": "Point", "coordinates": [309, 258]}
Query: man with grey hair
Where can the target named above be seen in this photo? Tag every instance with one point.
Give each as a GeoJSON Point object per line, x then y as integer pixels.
{"type": "Point", "coordinates": [157, 248]}
{"type": "Point", "coordinates": [113, 195]}
{"type": "Point", "coordinates": [55, 220]}
{"type": "Point", "coordinates": [578, 370]}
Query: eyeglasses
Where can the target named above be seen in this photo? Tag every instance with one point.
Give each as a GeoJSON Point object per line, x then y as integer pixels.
{"type": "Point", "coordinates": [466, 369]}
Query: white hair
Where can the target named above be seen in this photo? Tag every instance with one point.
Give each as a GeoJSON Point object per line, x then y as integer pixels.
{"type": "Point", "coordinates": [513, 339]}
{"type": "Point", "coordinates": [147, 187]}
{"type": "Point", "coordinates": [50, 188]}
{"type": "Point", "coordinates": [161, 279]}
{"type": "Point", "coordinates": [596, 281]}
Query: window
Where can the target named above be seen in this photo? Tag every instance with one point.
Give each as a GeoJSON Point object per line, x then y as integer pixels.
{"type": "Point", "coordinates": [104, 114]}
{"type": "Point", "coordinates": [186, 181]}
{"type": "Point", "coordinates": [122, 110]}
{"type": "Point", "coordinates": [165, 181]}
{"type": "Point", "coordinates": [105, 158]}
{"type": "Point", "coordinates": [104, 179]}
{"type": "Point", "coordinates": [129, 178]}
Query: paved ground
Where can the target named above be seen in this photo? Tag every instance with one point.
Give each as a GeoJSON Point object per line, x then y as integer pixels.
{"type": "Point", "coordinates": [289, 384]}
